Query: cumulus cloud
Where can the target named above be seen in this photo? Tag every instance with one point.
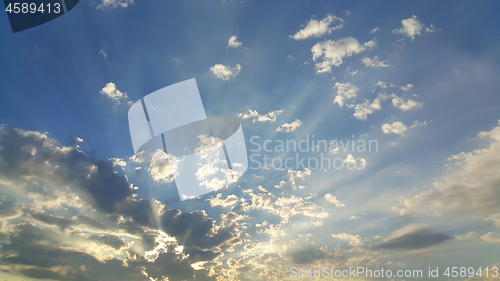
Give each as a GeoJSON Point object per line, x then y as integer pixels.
{"type": "Point", "coordinates": [110, 4]}
{"type": "Point", "coordinates": [375, 63]}
{"type": "Point", "coordinates": [225, 72]}
{"type": "Point", "coordinates": [411, 27]}
{"type": "Point", "coordinates": [413, 237]}
{"type": "Point", "coordinates": [233, 42]}
{"type": "Point", "coordinates": [472, 185]}
{"type": "Point", "coordinates": [345, 91]}
{"type": "Point", "coordinates": [332, 199]}
{"type": "Point", "coordinates": [113, 93]}
{"type": "Point", "coordinates": [256, 117]}
{"type": "Point", "coordinates": [289, 127]}
{"type": "Point", "coordinates": [317, 28]}
{"type": "Point", "coordinates": [331, 52]}
{"type": "Point", "coordinates": [397, 128]}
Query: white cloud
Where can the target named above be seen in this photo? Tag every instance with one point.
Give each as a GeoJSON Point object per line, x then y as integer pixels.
{"type": "Point", "coordinates": [233, 43]}
{"type": "Point", "coordinates": [407, 87]}
{"type": "Point", "coordinates": [110, 4]}
{"type": "Point", "coordinates": [353, 218]}
{"type": "Point", "coordinates": [113, 93]}
{"type": "Point", "coordinates": [269, 117]}
{"type": "Point", "coordinates": [430, 29]}
{"type": "Point", "coordinates": [217, 201]}
{"type": "Point", "coordinates": [491, 237]}
{"type": "Point", "coordinates": [470, 235]}
{"type": "Point", "coordinates": [362, 110]}
{"type": "Point", "coordinates": [411, 27]}
{"type": "Point", "coordinates": [289, 127]}
{"type": "Point", "coordinates": [332, 52]}
{"type": "Point", "coordinates": [471, 186]}
{"type": "Point", "coordinates": [225, 72]}
{"type": "Point", "coordinates": [332, 199]}
{"type": "Point", "coordinates": [103, 52]}
{"type": "Point", "coordinates": [375, 63]}
{"type": "Point", "coordinates": [384, 85]}
{"type": "Point", "coordinates": [397, 128]}
{"type": "Point", "coordinates": [405, 105]}
{"type": "Point", "coordinates": [354, 240]}
{"type": "Point", "coordinates": [355, 72]}
{"type": "Point", "coordinates": [375, 30]}
{"type": "Point", "coordinates": [318, 28]}
{"type": "Point", "coordinates": [418, 124]}
{"type": "Point", "coordinates": [345, 91]}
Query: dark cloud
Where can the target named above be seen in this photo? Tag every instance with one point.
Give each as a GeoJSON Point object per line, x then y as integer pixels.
{"type": "Point", "coordinates": [26, 155]}
{"type": "Point", "coordinates": [414, 239]}
{"type": "Point", "coordinates": [56, 184]}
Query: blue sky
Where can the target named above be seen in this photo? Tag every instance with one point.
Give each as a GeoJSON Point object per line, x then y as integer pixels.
{"type": "Point", "coordinates": [420, 78]}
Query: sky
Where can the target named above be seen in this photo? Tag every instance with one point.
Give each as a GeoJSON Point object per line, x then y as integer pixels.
{"type": "Point", "coordinates": [402, 98]}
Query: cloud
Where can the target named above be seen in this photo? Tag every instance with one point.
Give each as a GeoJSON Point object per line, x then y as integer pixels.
{"type": "Point", "coordinates": [362, 110]}
{"type": "Point", "coordinates": [411, 27]}
{"type": "Point", "coordinates": [430, 29]}
{"type": "Point", "coordinates": [375, 63]}
{"type": "Point", "coordinates": [384, 85]}
{"type": "Point", "coordinates": [374, 30]}
{"type": "Point", "coordinates": [353, 218]}
{"type": "Point", "coordinates": [345, 91]}
{"type": "Point", "coordinates": [332, 199]}
{"type": "Point", "coordinates": [289, 127]}
{"type": "Point", "coordinates": [332, 52]}
{"type": "Point", "coordinates": [354, 240]}
{"type": "Point", "coordinates": [318, 28]}
{"type": "Point", "coordinates": [111, 4]}
{"type": "Point", "coordinates": [225, 72]}
{"type": "Point", "coordinates": [470, 235]}
{"type": "Point", "coordinates": [405, 105]}
{"type": "Point", "coordinates": [397, 128]}
{"type": "Point", "coordinates": [491, 237]}
{"type": "Point", "coordinates": [217, 201]}
{"type": "Point", "coordinates": [413, 237]}
{"type": "Point", "coordinates": [418, 124]}
{"type": "Point", "coordinates": [29, 155]}
{"type": "Point", "coordinates": [113, 93]}
{"type": "Point", "coordinates": [256, 117]}
{"type": "Point", "coordinates": [233, 43]}
{"type": "Point", "coordinates": [472, 185]}
{"type": "Point", "coordinates": [407, 87]}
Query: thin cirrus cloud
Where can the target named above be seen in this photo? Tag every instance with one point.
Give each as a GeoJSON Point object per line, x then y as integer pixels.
{"type": "Point", "coordinates": [331, 52]}
{"type": "Point", "coordinates": [225, 72]}
{"type": "Point", "coordinates": [374, 62]}
{"type": "Point", "coordinates": [317, 28]}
